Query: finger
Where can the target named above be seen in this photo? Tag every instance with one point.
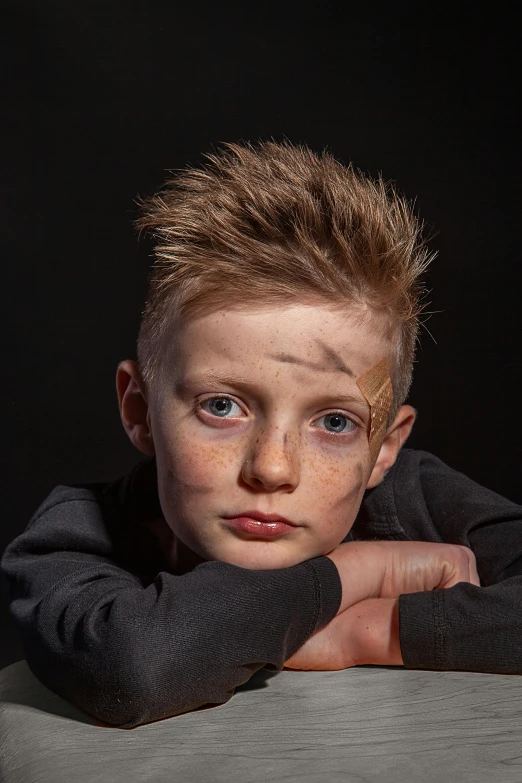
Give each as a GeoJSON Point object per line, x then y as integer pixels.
{"type": "Point", "coordinates": [465, 568]}
{"type": "Point", "coordinates": [473, 573]}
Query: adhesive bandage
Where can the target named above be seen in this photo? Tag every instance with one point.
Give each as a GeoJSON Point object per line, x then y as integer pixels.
{"type": "Point", "coordinates": [376, 386]}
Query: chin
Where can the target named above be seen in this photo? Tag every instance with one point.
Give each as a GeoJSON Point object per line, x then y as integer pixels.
{"type": "Point", "coordinates": [261, 556]}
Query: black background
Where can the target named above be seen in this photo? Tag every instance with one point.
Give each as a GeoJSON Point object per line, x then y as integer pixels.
{"type": "Point", "coordinates": [103, 97]}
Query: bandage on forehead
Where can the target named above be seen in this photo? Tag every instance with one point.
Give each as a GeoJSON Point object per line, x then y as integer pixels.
{"type": "Point", "coordinates": [377, 388]}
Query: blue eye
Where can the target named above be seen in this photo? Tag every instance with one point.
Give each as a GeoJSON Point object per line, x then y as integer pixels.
{"type": "Point", "coordinates": [339, 423]}
{"type": "Point", "coordinates": [336, 423]}
{"type": "Point", "coordinates": [221, 406]}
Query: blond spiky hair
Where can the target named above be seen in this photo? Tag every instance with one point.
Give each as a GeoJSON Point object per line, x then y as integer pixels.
{"type": "Point", "coordinates": [276, 223]}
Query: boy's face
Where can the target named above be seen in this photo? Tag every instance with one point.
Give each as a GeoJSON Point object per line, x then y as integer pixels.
{"type": "Point", "coordinates": [251, 417]}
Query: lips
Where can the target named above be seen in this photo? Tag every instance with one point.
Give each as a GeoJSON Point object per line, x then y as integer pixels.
{"type": "Point", "coordinates": [260, 517]}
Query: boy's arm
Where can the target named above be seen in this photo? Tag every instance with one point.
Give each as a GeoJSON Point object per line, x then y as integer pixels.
{"type": "Point", "coordinates": [467, 627]}
{"type": "Point", "coordinates": [463, 627]}
{"type": "Point", "coordinates": [129, 654]}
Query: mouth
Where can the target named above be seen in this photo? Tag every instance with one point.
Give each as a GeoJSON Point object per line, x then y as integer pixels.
{"type": "Point", "coordinates": [254, 524]}
{"type": "Point", "coordinates": [261, 517]}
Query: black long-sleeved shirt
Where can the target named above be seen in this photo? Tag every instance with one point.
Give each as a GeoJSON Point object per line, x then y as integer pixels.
{"type": "Point", "coordinates": [107, 625]}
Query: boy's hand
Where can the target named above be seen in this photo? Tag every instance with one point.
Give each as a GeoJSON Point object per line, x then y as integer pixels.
{"type": "Point", "coordinates": [373, 575]}
{"type": "Point", "coordinates": [385, 569]}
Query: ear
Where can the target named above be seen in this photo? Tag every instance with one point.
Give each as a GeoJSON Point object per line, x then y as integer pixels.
{"type": "Point", "coordinates": [134, 408]}
{"type": "Point", "coordinates": [395, 436]}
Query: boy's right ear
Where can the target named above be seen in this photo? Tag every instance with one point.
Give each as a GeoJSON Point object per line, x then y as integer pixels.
{"type": "Point", "coordinates": [134, 408]}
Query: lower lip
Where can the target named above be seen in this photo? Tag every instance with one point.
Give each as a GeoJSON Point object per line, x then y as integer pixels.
{"type": "Point", "coordinates": [262, 529]}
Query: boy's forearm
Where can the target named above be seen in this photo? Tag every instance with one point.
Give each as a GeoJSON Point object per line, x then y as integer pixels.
{"type": "Point", "coordinates": [366, 632]}
{"type": "Point", "coordinates": [129, 653]}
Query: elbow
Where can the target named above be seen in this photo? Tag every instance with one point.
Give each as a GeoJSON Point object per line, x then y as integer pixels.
{"type": "Point", "coordinates": [121, 705]}
{"type": "Point", "coordinates": [110, 698]}
{"type": "Point", "coordinates": [125, 702]}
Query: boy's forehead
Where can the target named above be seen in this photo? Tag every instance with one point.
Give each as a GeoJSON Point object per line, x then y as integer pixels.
{"type": "Point", "coordinates": [313, 337]}
{"type": "Point", "coordinates": [329, 350]}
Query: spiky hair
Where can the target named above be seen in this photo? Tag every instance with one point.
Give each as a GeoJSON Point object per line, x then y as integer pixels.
{"type": "Point", "coordinates": [277, 223]}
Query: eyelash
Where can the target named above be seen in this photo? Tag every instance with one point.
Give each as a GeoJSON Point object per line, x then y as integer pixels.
{"type": "Point", "coordinates": [357, 426]}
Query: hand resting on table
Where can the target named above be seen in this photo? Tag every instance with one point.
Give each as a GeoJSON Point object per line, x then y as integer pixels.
{"type": "Point", "coordinates": [373, 575]}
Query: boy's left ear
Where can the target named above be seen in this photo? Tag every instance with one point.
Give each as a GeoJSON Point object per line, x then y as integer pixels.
{"type": "Point", "coordinates": [395, 437]}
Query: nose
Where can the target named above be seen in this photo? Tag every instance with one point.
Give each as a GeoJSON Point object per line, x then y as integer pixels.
{"type": "Point", "coordinates": [273, 460]}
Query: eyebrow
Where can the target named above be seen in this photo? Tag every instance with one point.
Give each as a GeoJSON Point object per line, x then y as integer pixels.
{"type": "Point", "coordinates": [332, 358]}
{"type": "Point", "coordinates": [213, 379]}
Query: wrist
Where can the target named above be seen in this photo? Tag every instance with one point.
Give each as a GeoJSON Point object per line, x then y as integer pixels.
{"type": "Point", "coordinates": [355, 564]}
{"type": "Point", "coordinates": [376, 629]}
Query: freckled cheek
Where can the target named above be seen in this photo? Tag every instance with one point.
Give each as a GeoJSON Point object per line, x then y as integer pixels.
{"type": "Point", "coordinates": [200, 462]}
{"type": "Point", "coordinates": [336, 484]}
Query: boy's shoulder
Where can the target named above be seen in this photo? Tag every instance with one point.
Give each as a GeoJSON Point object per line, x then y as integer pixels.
{"type": "Point", "coordinates": [133, 494]}
{"type": "Point", "coordinates": [106, 518]}
{"type": "Point", "coordinates": [424, 499]}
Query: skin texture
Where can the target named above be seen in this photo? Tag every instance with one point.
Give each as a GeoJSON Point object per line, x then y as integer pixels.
{"type": "Point", "coordinates": [273, 448]}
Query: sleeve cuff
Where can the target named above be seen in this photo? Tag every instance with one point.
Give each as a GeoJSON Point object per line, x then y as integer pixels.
{"type": "Point", "coordinates": [421, 630]}
{"type": "Point", "coordinates": [328, 589]}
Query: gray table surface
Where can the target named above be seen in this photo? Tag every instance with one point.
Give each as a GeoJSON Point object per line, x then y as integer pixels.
{"type": "Point", "coordinates": [369, 723]}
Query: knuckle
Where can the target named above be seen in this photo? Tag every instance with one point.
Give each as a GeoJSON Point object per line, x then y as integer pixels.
{"type": "Point", "coordinates": [464, 555]}
{"type": "Point", "coordinates": [460, 549]}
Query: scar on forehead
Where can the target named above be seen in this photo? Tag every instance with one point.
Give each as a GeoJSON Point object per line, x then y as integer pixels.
{"type": "Point", "coordinates": [332, 358]}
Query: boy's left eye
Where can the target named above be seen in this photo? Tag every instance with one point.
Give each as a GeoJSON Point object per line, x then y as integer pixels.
{"type": "Point", "coordinates": [339, 423]}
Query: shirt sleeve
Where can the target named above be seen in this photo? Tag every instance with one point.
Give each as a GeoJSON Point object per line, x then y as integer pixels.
{"type": "Point", "coordinates": [465, 627]}
{"type": "Point", "coordinates": [129, 653]}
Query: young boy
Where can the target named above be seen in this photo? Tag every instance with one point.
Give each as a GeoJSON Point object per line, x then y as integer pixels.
{"type": "Point", "coordinates": [277, 519]}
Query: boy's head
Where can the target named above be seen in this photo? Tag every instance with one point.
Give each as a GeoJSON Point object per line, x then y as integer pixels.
{"type": "Point", "coordinates": [282, 280]}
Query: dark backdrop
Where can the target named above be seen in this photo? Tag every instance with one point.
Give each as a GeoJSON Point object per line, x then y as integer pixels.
{"type": "Point", "coordinates": [105, 96]}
